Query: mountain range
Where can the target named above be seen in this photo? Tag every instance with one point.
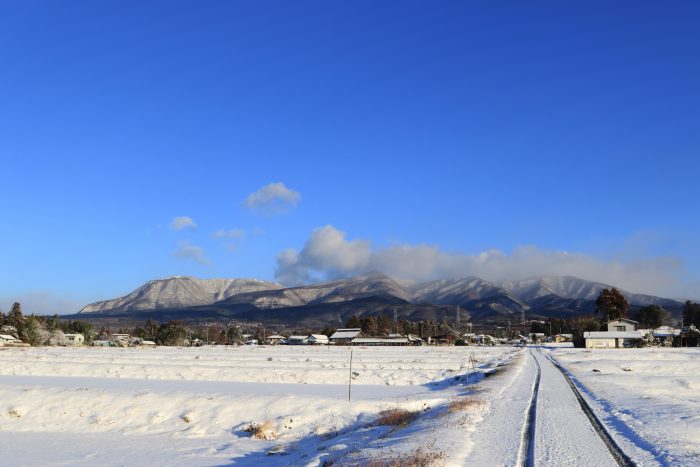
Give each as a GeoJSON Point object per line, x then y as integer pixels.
{"type": "Point", "coordinates": [335, 301]}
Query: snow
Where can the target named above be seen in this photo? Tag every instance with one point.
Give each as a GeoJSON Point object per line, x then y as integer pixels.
{"type": "Point", "coordinates": [649, 398]}
{"type": "Point", "coordinates": [190, 406]}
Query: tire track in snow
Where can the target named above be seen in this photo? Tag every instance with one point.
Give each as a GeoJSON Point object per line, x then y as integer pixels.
{"type": "Point", "coordinates": [526, 456]}
{"type": "Point", "coordinates": [618, 454]}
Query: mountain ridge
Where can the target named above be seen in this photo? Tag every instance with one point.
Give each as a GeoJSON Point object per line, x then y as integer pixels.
{"type": "Point", "coordinates": [547, 296]}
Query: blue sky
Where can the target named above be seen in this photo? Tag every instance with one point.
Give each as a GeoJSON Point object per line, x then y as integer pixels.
{"type": "Point", "coordinates": [424, 139]}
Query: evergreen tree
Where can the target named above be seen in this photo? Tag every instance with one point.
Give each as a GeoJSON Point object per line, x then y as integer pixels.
{"type": "Point", "coordinates": [651, 316]}
{"type": "Point", "coordinates": [15, 317]}
{"type": "Point", "coordinates": [612, 303]}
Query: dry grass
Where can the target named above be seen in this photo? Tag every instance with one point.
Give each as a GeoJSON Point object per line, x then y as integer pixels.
{"type": "Point", "coordinates": [420, 457]}
{"type": "Point", "coordinates": [261, 430]}
{"type": "Point", "coordinates": [396, 417]}
{"type": "Point", "coordinates": [465, 404]}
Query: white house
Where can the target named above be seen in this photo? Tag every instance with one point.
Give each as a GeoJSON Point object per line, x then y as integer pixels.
{"type": "Point", "coordinates": [390, 341]}
{"type": "Point", "coordinates": [296, 340]}
{"type": "Point", "coordinates": [75, 340]}
{"type": "Point", "coordinates": [8, 339]}
{"type": "Point", "coordinates": [622, 325]}
{"type": "Point", "coordinates": [344, 336]}
{"type": "Point", "coordinates": [317, 339]}
{"type": "Point", "coordinates": [274, 339]}
{"type": "Point", "coordinates": [611, 339]}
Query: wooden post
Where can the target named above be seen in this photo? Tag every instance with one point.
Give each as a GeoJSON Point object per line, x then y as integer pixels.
{"type": "Point", "coordinates": [350, 376]}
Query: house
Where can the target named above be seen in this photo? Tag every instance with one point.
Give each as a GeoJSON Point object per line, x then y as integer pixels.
{"type": "Point", "coordinates": [384, 341]}
{"type": "Point", "coordinates": [344, 336]}
{"type": "Point", "coordinates": [75, 340]}
{"type": "Point", "coordinates": [121, 340]}
{"type": "Point", "coordinates": [688, 337]}
{"type": "Point", "coordinates": [414, 340]}
{"type": "Point", "coordinates": [274, 339]}
{"type": "Point", "coordinates": [559, 338]}
{"type": "Point", "coordinates": [317, 339]}
{"type": "Point", "coordinates": [296, 340]}
{"type": "Point", "coordinates": [664, 332]}
{"type": "Point", "coordinates": [611, 339]}
{"type": "Point", "coordinates": [6, 339]}
{"type": "Point", "coordinates": [536, 337]}
{"type": "Point", "coordinates": [622, 325]}
{"type": "Point", "coordinates": [102, 343]}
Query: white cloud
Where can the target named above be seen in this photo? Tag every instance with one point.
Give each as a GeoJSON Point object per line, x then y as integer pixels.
{"type": "Point", "coordinates": [329, 254]}
{"type": "Point", "coordinates": [273, 198]}
{"type": "Point", "coordinates": [326, 252]}
{"type": "Point", "coordinates": [234, 234]}
{"type": "Point", "coordinates": [192, 252]}
{"type": "Point", "coordinates": [182, 222]}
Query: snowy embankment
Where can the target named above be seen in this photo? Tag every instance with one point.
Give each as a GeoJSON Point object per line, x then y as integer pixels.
{"type": "Point", "coordinates": [648, 398]}
{"type": "Point", "coordinates": [174, 406]}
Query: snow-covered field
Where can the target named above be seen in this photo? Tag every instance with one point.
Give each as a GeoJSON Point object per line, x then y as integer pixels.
{"type": "Point", "coordinates": [648, 398]}
{"type": "Point", "coordinates": [175, 406]}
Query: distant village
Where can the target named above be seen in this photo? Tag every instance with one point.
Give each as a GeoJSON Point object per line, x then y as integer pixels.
{"type": "Point", "coordinates": [612, 330]}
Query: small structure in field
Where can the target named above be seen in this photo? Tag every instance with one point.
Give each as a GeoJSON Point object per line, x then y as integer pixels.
{"type": "Point", "coordinates": [148, 343]}
{"type": "Point", "coordinates": [346, 335]}
{"type": "Point", "coordinates": [6, 339]}
{"type": "Point", "coordinates": [688, 337]}
{"type": "Point", "coordinates": [102, 343]}
{"type": "Point", "coordinates": [74, 339]}
{"type": "Point", "coordinates": [393, 340]}
{"type": "Point", "coordinates": [121, 340]}
{"type": "Point", "coordinates": [559, 338]}
{"type": "Point", "coordinates": [317, 339]}
{"type": "Point", "coordinates": [274, 339]}
{"type": "Point", "coordinates": [296, 340]}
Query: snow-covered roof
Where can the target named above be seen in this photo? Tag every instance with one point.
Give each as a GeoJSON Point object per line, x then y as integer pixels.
{"type": "Point", "coordinates": [70, 334]}
{"type": "Point", "coordinates": [318, 337]}
{"type": "Point", "coordinates": [623, 320]}
{"type": "Point", "coordinates": [666, 331]}
{"type": "Point", "coordinates": [275, 336]}
{"type": "Point", "coordinates": [378, 340]}
{"type": "Point", "coordinates": [613, 335]}
{"type": "Point", "coordinates": [346, 333]}
{"type": "Point", "coordinates": [5, 337]}
{"type": "Point", "coordinates": [148, 343]}
{"type": "Point", "coordinates": [296, 338]}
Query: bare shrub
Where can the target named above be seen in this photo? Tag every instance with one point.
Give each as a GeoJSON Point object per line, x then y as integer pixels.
{"type": "Point", "coordinates": [465, 404]}
{"type": "Point", "coordinates": [396, 417]}
{"type": "Point", "coordinates": [419, 457]}
{"type": "Point", "coordinates": [261, 430]}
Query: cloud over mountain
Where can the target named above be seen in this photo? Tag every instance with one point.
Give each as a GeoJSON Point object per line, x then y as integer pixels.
{"type": "Point", "coordinates": [329, 254]}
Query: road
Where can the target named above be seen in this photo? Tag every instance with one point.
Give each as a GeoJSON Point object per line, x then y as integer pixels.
{"type": "Point", "coordinates": [536, 419]}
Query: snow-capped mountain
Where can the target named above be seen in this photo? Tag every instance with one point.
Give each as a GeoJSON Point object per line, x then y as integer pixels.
{"type": "Point", "coordinates": [372, 293]}
{"type": "Point", "coordinates": [373, 284]}
{"type": "Point", "coordinates": [573, 288]}
{"type": "Point", "coordinates": [177, 292]}
{"type": "Point", "coordinates": [454, 291]}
